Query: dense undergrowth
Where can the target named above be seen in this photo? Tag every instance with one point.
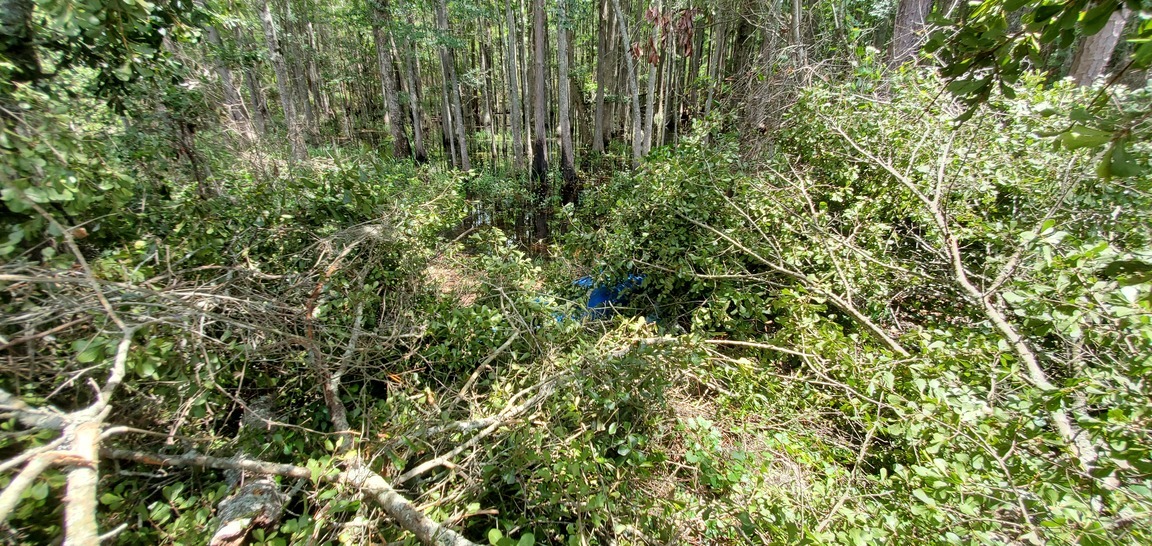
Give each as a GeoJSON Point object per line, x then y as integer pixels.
{"type": "Point", "coordinates": [831, 344]}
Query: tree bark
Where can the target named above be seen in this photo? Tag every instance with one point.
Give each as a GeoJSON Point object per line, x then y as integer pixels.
{"type": "Point", "coordinates": [1095, 51]}
{"type": "Point", "coordinates": [380, 29]}
{"type": "Point", "coordinates": [80, 510]}
{"type": "Point", "coordinates": [283, 84]}
{"type": "Point", "coordinates": [908, 29]}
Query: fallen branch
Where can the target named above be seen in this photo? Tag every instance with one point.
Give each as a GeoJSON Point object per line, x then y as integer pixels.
{"type": "Point", "coordinates": [493, 424]}
{"type": "Point", "coordinates": [367, 482]}
{"type": "Point", "coordinates": [835, 299]}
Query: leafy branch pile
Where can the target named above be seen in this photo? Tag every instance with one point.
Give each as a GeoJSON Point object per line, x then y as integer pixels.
{"type": "Point", "coordinates": [880, 327]}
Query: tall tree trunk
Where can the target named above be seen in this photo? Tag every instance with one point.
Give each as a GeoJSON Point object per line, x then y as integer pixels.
{"type": "Point", "coordinates": [633, 86]}
{"type": "Point", "coordinates": [1095, 51]}
{"type": "Point", "coordinates": [296, 62]}
{"type": "Point", "coordinates": [319, 95]}
{"type": "Point", "coordinates": [650, 105]}
{"type": "Point", "coordinates": [517, 120]}
{"type": "Point", "coordinates": [797, 40]}
{"type": "Point", "coordinates": [692, 79]}
{"type": "Point", "coordinates": [667, 80]}
{"type": "Point", "coordinates": [908, 29]}
{"type": "Point", "coordinates": [738, 64]}
{"type": "Point", "coordinates": [539, 116]}
{"type": "Point", "coordinates": [394, 120]}
{"type": "Point", "coordinates": [650, 97]}
{"type": "Point", "coordinates": [295, 136]}
{"type": "Point", "coordinates": [446, 124]}
{"type": "Point", "coordinates": [453, 85]}
{"type": "Point", "coordinates": [489, 91]}
{"type": "Point", "coordinates": [257, 108]}
{"type": "Point", "coordinates": [412, 68]}
{"type": "Point", "coordinates": [525, 11]}
{"type": "Point", "coordinates": [601, 76]}
{"type": "Point", "coordinates": [257, 105]}
{"type": "Point", "coordinates": [568, 191]}
{"type": "Point", "coordinates": [719, 38]}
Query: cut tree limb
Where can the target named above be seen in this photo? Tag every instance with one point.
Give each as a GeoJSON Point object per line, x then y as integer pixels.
{"type": "Point", "coordinates": [367, 482]}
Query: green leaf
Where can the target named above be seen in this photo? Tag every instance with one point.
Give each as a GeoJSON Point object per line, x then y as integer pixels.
{"type": "Point", "coordinates": [527, 539]}
{"type": "Point", "coordinates": [1013, 5]}
{"type": "Point", "coordinates": [1046, 12]}
{"type": "Point", "coordinates": [1012, 297]}
{"type": "Point", "coordinates": [89, 354]}
{"type": "Point", "coordinates": [1122, 163]}
{"type": "Point", "coordinates": [39, 491]}
{"type": "Point", "coordinates": [110, 500]}
{"type": "Point", "coordinates": [146, 368]}
{"type": "Point", "coordinates": [1095, 18]}
{"type": "Point", "coordinates": [1125, 267]}
{"type": "Point", "coordinates": [494, 536]}
{"type": "Point", "coordinates": [1080, 136]}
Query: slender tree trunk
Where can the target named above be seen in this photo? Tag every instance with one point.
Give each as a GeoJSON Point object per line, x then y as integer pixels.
{"type": "Point", "coordinates": [568, 192]}
{"type": "Point", "coordinates": [650, 97]}
{"type": "Point", "coordinates": [691, 80]}
{"type": "Point", "coordinates": [446, 124]}
{"type": "Point", "coordinates": [797, 40]}
{"type": "Point", "coordinates": [412, 68]}
{"type": "Point", "coordinates": [295, 61]}
{"type": "Point", "coordinates": [517, 120]}
{"type": "Point", "coordinates": [908, 29]}
{"type": "Point", "coordinates": [453, 85]}
{"type": "Point", "coordinates": [719, 37]}
{"type": "Point", "coordinates": [633, 86]}
{"type": "Point", "coordinates": [319, 96]}
{"type": "Point", "coordinates": [539, 117]}
{"type": "Point", "coordinates": [667, 79]}
{"type": "Point", "coordinates": [525, 11]}
{"type": "Point", "coordinates": [257, 105]}
{"type": "Point", "coordinates": [650, 106]}
{"type": "Point", "coordinates": [257, 108]}
{"type": "Point", "coordinates": [738, 64]}
{"type": "Point", "coordinates": [394, 120]}
{"type": "Point", "coordinates": [295, 137]}
{"type": "Point", "coordinates": [601, 75]}
{"type": "Point", "coordinates": [489, 91]}
{"type": "Point", "coordinates": [233, 103]}
{"type": "Point", "coordinates": [1095, 51]}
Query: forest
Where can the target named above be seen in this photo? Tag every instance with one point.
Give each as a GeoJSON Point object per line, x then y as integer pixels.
{"type": "Point", "coordinates": [579, 272]}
